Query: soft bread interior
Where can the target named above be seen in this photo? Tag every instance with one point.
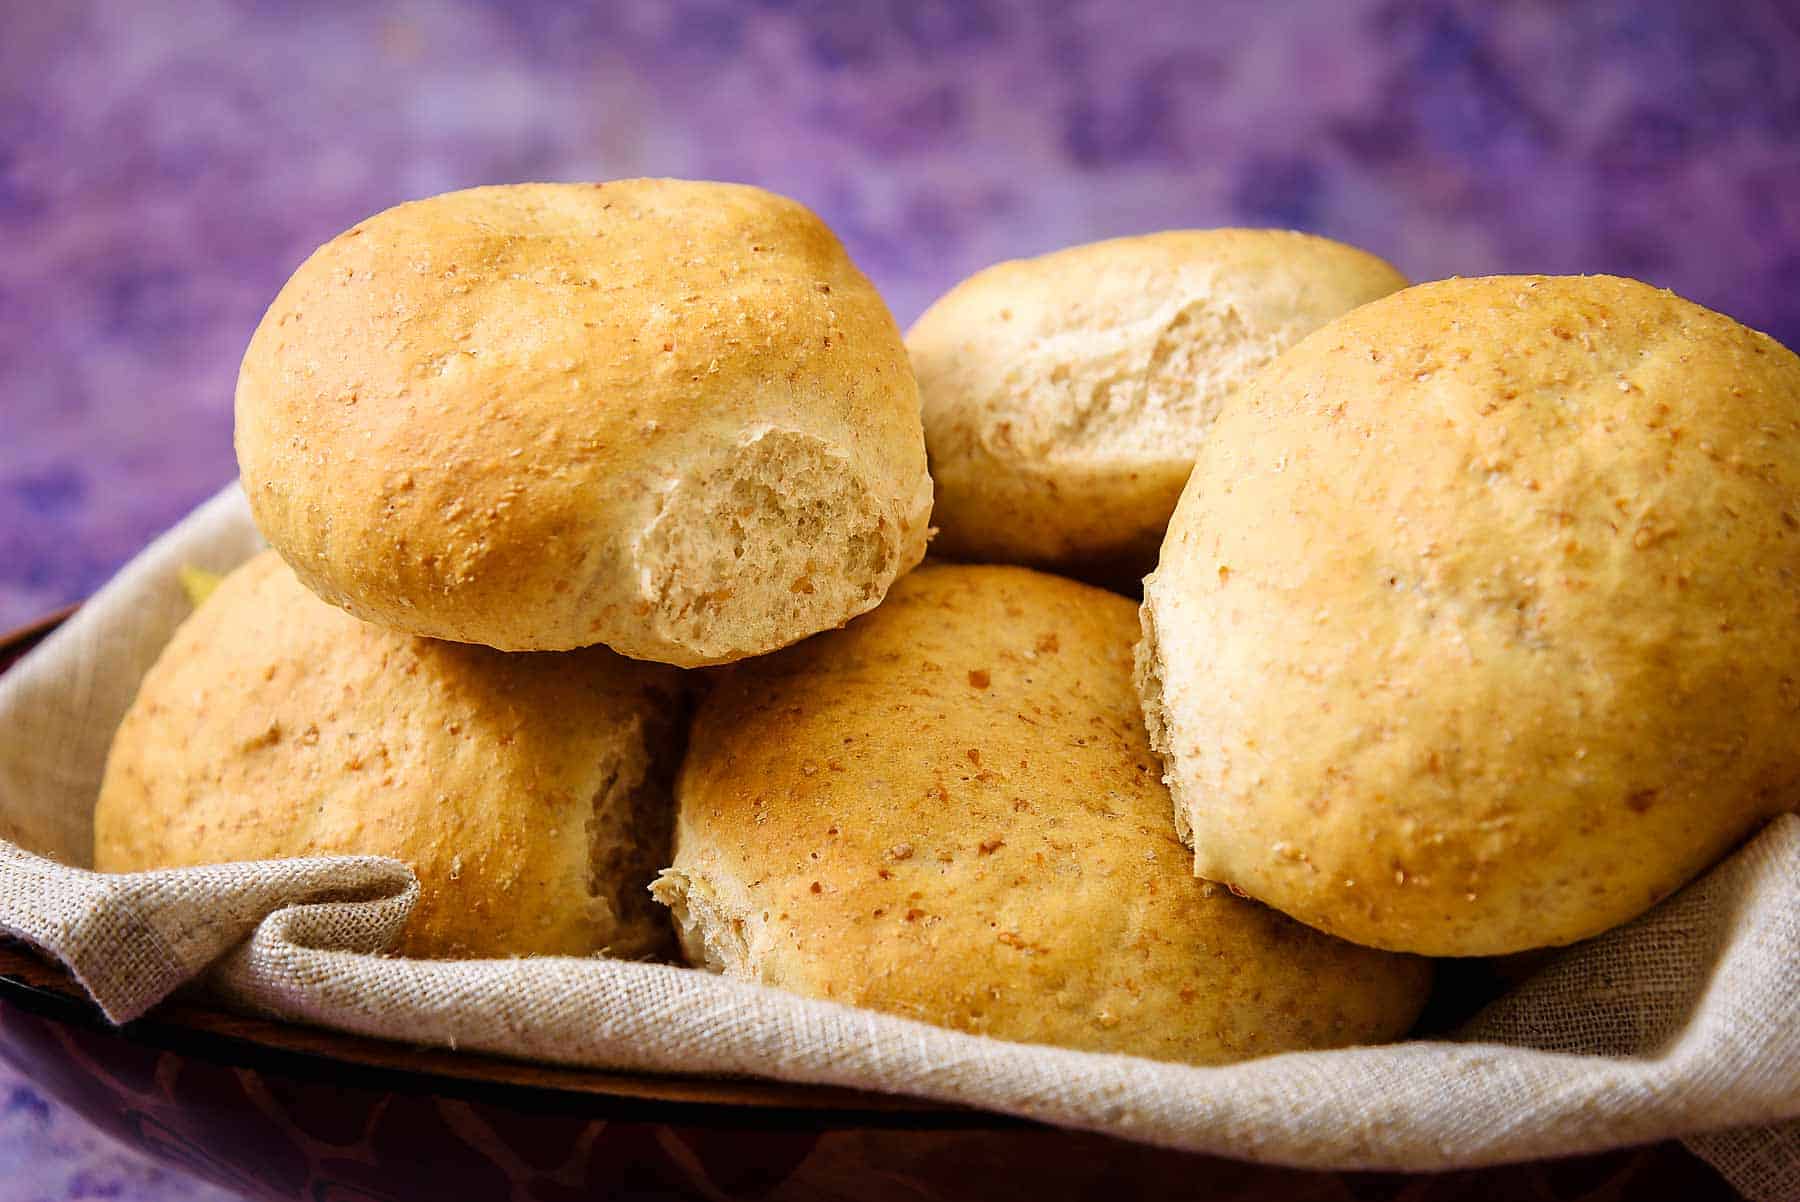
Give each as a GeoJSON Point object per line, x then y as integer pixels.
{"type": "Point", "coordinates": [629, 832]}
{"type": "Point", "coordinates": [1148, 677]}
{"type": "Point", "coordinates": [1146, 390]}
{"type": "Point", "coordinates": [710, 938]}
{"type": "Point", "coordinates": [763, 546]}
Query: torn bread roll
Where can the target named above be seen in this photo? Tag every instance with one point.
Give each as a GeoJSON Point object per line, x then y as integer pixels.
{"type": "Point", "coordinates": [1478, 626]}
{"type": "Point", "coordinates": [1066, 396]}
{"type": "Point", "coordinates": [666, 416]}
{"type": "Point", "coordinates": [949, 811]}
{"type": "Point", "coordinates": [530, 793]}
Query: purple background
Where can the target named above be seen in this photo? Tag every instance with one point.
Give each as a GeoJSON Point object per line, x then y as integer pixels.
{"type": "Point", "coordinates": [163, 168]}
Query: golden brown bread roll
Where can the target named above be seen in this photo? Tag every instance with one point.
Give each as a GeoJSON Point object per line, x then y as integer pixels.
{"type": "Point", "coordinates": [1478, 626]}
{"type": "Point", "coordinates": [670, 417]}
{"type": "Point", "coordinates": [530, 793]}
{"type": "Point", "coordinates": [948, 810]}
{"type": "Point", "coordinates": [1066, 396]}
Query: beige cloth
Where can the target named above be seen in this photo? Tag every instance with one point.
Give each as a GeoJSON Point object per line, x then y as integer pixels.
{"type": "Point", "coordinates": [1685, 1023]}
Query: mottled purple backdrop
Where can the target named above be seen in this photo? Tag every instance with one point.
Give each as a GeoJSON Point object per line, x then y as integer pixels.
{"type": "Point", "coordinates": [163, 168]}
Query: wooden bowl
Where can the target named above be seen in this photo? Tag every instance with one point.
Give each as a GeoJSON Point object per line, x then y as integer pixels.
{"type": "Point", "coordinates": [279, 1111]}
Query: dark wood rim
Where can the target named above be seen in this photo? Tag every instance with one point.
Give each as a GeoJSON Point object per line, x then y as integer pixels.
{"type": "Point", "coordinates": [15, 643]}
{"type": "Point", "coordinates": [32, 631]}
{"type": "Point", "coordinates": [34, 983]}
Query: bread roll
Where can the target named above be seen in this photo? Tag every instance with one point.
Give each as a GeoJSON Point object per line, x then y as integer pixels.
{"type": "Point", "coordinates": [529, 792]}
{"type": "Point", "coordinates": [1478, 626]}
{"type": "Point", "coordinates": [1066, 396]}
{"type": "Point", "coordinates": [949, 811]}
{"type": "Point", "coordinates": [670, 417]}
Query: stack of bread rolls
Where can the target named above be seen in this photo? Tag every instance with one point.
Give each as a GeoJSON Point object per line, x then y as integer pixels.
{"type": "Point", "coordinates": [596, 515]}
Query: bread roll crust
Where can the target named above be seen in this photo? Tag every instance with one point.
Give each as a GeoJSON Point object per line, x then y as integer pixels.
{"type": "Point", "coordinates": [1478, 626]}
{"type": "Point", "coordinates": [948, 810]}
{"type": "Point", "coordinates": [530, 793]}
{"type": "Point", "coordinates": [1066, 396]}
{"type": "Point", "coordinates": [667, 416]}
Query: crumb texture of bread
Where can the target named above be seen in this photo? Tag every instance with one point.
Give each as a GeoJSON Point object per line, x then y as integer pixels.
{"type": "Point", "coordinates": [529, 792]}
{"type": "Point", "coordinates": [779, 535]}
{"type": "Point", "coordinates": [1146, 676]}
{"type": "Point", "coordinates": [483, 417]}
{"type": "Point", "coordinates": [1477, 628]}
{"type": "Point", "coordinates": [1066, 396]}
{"type": "Point", "coordinates": [948, 810]}
{"type": "Point", "coordinates": [711, 937]}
